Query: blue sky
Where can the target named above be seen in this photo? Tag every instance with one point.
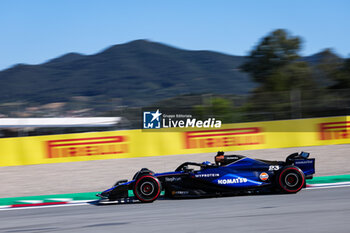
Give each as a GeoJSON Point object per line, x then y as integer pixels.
{"type": "Point", "coordinates": [34, 31]}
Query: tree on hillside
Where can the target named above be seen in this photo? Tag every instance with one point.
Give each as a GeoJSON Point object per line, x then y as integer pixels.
{"type": "Point", "coordinates": [327, 65]}
{"type": "Point", "coordinates": [273, 52]}
{"type": "Point", "coordinates": [334, 69]}
{"type": "Point", "coordinates": [341, 77]}
{"type": "Point", "coordinates": [217, 107]}
{"type": "Point", "coordinates": [296, 75]}
{"type": "Point", "coordinates": [274, 63]}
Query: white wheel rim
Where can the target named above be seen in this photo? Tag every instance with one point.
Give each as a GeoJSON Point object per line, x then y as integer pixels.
{"type": "Point", "coordinates": [147, 188]}
{"type": "Point", "coordinates": [291, 176]}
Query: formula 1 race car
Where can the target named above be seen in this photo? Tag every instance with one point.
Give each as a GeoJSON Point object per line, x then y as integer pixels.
{"type": "Point", "coordinates": [229, 175]}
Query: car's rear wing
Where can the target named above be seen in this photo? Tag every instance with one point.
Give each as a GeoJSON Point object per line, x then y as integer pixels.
{"type": "Point", "coordinates": [307, 166]}
{"type": "Point", "coordinates": [303, 162]}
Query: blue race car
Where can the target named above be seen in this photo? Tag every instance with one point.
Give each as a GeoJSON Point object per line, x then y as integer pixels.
{"type": "Point", "coordinates": [229, 175]}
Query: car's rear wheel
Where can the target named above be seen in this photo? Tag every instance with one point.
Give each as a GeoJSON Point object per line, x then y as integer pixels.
{"type": "Point", "coordinates": [291, 179]}
{"type": "Point", "coordinates": [147, 188]}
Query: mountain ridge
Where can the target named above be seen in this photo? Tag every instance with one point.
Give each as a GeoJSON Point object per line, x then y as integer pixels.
{"type": "Point", "coordinates": [137, 73]}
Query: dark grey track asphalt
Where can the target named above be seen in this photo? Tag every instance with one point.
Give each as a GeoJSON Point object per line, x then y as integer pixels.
{"type": "Point", "coordinates": [321, 210]}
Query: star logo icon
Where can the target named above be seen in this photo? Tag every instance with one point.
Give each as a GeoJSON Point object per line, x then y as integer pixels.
{"type": "Point", "coordinates": [156, 115]}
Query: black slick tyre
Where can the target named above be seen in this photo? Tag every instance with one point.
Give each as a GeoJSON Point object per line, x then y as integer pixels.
{"type": "Point", "coordinates": [147, 188]}
{"type": "Point", "coordinates": [291, 179]}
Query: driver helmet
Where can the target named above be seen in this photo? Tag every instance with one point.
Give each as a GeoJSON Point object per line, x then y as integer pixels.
{"type": "Point", "coordinates": [219, 158]}
{"type": "Point", "coordinates": [206, 163]}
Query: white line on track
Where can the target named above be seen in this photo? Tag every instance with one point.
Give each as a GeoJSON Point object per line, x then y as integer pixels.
{"type": "Point", "coordinates": [328, 187]}
{"type": "Point", "coordinates": [330, 184]}
{"type": "Point", "coordinates": [31, 201]}
{"type": "Point", "coordinates": [60, 199]}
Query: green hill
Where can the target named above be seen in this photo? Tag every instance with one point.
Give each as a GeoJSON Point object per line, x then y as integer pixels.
{"type": "Point", "coordinates": [137, 73]}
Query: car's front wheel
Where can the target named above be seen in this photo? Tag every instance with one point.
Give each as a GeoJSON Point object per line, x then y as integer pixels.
{"type": "Point", "coordinates": [147, 188]}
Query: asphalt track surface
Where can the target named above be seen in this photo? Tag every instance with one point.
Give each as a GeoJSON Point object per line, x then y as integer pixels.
{"type": "Point", "coordinates": [319, 210]}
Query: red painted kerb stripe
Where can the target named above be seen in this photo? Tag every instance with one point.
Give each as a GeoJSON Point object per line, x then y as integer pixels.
{"type": "Point", "coordinates": [38, 204]}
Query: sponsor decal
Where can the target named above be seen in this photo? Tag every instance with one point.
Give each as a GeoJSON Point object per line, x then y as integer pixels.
{"type": "Point", "coordinates": [172, 179]}
{"type": "Point", "coordinates": [274, 168]}
{"type": "Point", "coordinates": [207, 175]}
{"type": "Point", "coordinates": [180, 192]}
{"type": "Point", "coordinates": [334, 130]}
{"type": "Point", "coordinates": [157, 120]}
{"type": "Point", "coordinates": [303, 161]}
{"type": "Point", "coordinates": [224, 137]}
{"type": "Point", "coordinates": [87, 147]}
{"type": "Point", "coordinates": [264, 176]}
{"type": "Point", "coordinates": [233, 181]}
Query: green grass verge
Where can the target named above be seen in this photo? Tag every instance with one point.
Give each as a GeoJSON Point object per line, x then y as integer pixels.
{"type": "Point", "coordinates": [329, 179]}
